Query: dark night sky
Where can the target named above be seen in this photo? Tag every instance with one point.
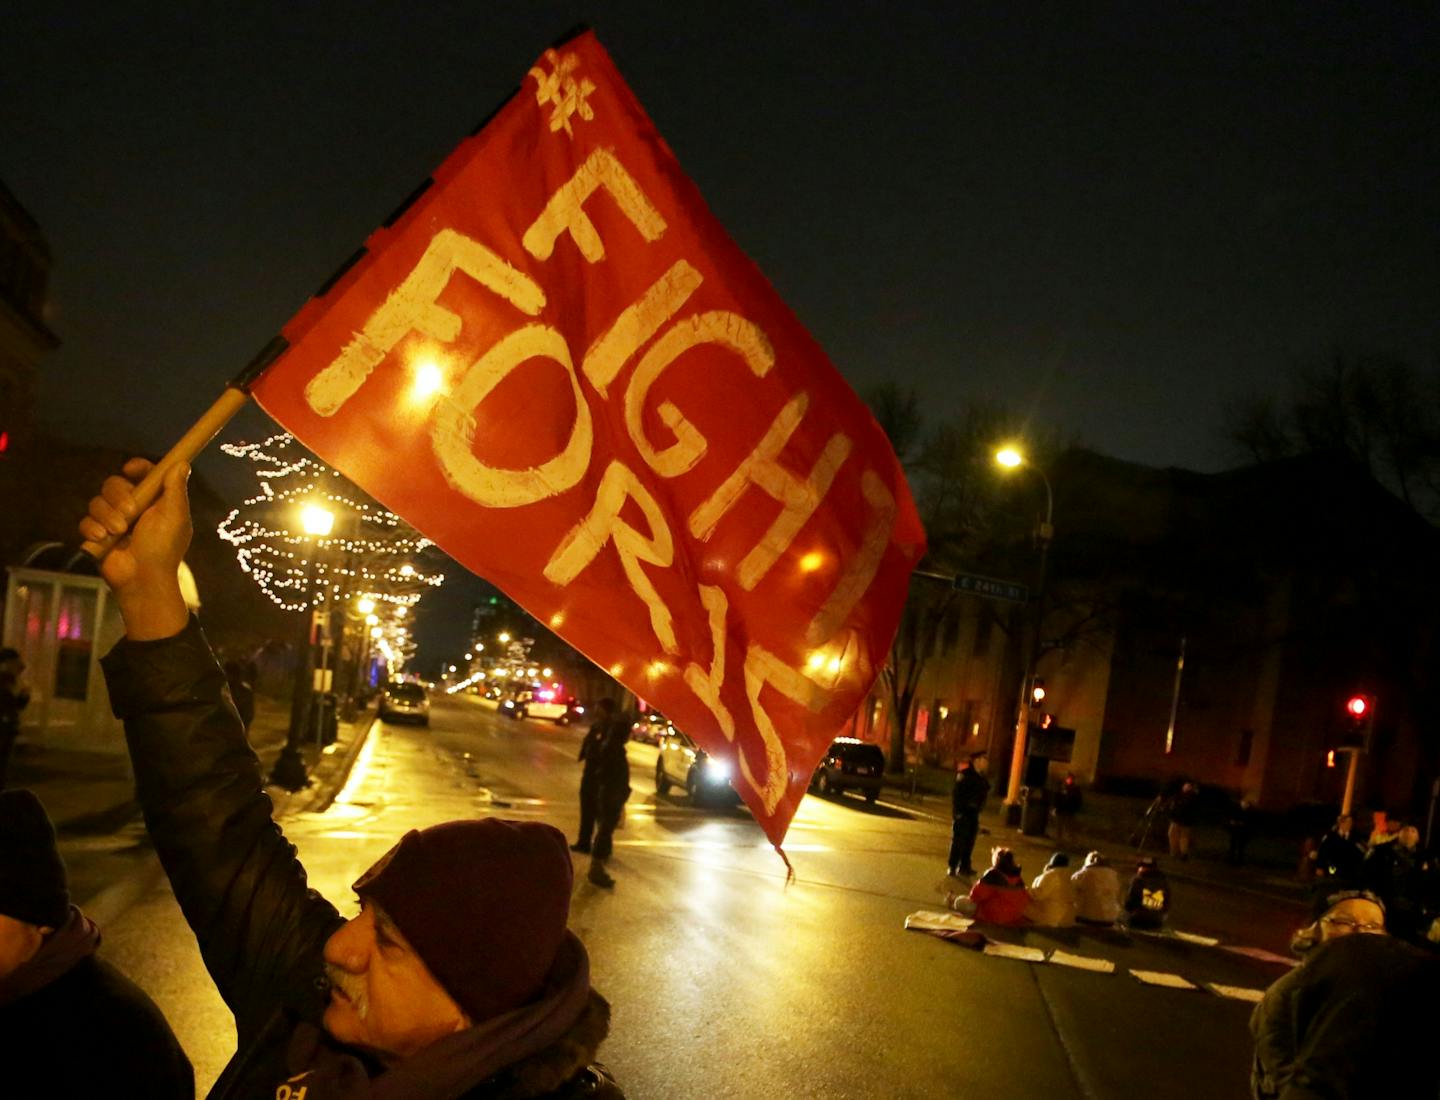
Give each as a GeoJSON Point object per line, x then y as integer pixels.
{"type": "Point", "coordinates": [1114, 217]}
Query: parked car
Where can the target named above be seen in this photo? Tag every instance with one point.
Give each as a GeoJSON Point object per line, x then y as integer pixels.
{"type": "Point", "coordinates": [490, 698]}
{"type": "Point", "coordinates": [651, 727]}
{"type": "Point", "coordinates": [546, 703]}
{"type": "Point", "coordinates": [405, 700]}
{"type": "Point", "coordinates": [682, 763]}
{"type": "Point", "coordinates": [850, 765]}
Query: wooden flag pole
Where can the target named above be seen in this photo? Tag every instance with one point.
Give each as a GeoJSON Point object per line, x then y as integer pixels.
{"type": "Point", "coordinates": [235, 397]}
{"type": "Point", "coordinates": [191, 444]}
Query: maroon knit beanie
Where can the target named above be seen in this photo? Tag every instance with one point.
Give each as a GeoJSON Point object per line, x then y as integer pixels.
{"type": "Point", "coordinates": [483, 903]}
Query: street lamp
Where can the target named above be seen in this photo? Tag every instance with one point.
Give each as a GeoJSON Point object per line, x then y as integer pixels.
{"type": "Point", "coordinates": [1012, 458]}
{"type": "Point", "coordinates": [289, 771]}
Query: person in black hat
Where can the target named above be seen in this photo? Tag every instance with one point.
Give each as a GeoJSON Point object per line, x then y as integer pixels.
{"type": "Point", "coordinates": [1345, 1023]}
{"type": "Point", "coordinates": [459, 976]}
{"type": "Point", "coordinates": [967, 799]}
{"type": "Point", "coordinates": [13, 699]}
{"type": "Point", "coordinates": [57, 999]}
{"type": "Point", "coordinates": [1148, 899]}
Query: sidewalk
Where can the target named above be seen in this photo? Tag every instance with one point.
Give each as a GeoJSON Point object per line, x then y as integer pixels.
{"type": "Point", "coordinates": [1107, 822]}
{"type": "Point", "coordinates": [90, 793]}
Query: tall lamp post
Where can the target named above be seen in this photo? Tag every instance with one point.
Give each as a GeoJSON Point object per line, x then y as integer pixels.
{"type": "Point", "coordinates": [289, 772]}
{"type": "Point", "coordinates": [1011, 458]}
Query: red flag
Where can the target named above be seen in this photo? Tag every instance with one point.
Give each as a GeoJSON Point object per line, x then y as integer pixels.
{"type": "Point", "coordinates": [557, 365]}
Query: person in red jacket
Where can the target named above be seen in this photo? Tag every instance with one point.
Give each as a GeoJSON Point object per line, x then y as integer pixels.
{"type": "Point", "coordinates": [1000, 896]}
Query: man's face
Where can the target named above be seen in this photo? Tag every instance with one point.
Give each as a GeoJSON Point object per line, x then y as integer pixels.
{"type": "Point", "coordinates": [18, 943]}
{"type": "Point", "coordinates": [1409, 837]}
{"type": "Point", "coordinates": [383, 997]}
{"type": "Point", "coordinates": [981, 764]}
{"type": "Point", "coordinates": [1350, 916]}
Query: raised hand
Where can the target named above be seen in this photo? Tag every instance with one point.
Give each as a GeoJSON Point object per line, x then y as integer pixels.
{"type": "Point", "coordinates": [143, 567]}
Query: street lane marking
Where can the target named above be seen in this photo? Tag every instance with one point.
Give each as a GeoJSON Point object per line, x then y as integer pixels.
{"type": "Point", "coordinates": [1082, 962]}
{"type": "Point", "coordinates": [1236, 992]}
{"type": "Point", "coordinates": [1161, 978]}
{"type": "Point", "coordinates": [1015, 951]}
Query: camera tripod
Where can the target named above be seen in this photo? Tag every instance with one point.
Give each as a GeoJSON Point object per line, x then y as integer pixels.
{"type": "Point", "coordinates": [1143, 828]}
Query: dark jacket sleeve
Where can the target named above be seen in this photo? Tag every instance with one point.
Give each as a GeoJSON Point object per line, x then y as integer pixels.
{"type": "Point", "coordinates": [261, 930]}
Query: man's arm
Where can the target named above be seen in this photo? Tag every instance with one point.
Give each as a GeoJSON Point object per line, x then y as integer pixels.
{"type": "Point", "coordinates": [238, 882]}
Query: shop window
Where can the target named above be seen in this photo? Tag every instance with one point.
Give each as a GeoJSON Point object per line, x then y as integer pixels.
{"type": "Point", "coordinates": [74, 637]}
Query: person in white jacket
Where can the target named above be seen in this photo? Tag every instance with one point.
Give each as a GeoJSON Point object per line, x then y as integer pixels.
{"type": "Point", "coordinates": [1097, 891]}
{"type": "Point", "coordinates": [1052, 895]}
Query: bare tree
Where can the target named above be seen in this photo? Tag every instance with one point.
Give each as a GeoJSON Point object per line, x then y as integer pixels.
{"type": "Point", "coordinates": [1378, 411]}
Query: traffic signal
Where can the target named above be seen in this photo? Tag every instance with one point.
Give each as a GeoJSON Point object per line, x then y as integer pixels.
{"type": "Point", "coordinates": [1358, 723]}
{"type": "Point", "coordinates": [1037, 691]}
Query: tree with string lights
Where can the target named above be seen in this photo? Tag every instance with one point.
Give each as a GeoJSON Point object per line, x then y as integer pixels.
{"type": "Point", "coordinates": [315, 543]}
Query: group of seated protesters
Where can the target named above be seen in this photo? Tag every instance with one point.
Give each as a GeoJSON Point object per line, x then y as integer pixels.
{"type": "Point", "coordinates": [1058, 898]}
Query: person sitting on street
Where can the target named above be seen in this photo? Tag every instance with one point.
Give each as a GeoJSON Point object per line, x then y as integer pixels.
{"type": "Point", "coordinates": [458, 978]}
{"type": "Point", "coordinates": [71, 1025]}
{"type": "Point", "coordinates": [1148, 899]}
{"type": "Point", "coordinates": [1052, 895]}
{"type": "Point", "coordinates": [1339, 857]}
{"type": "Point", "coordinates": [1000, 896]}
{"type": "Point", "coordinates": [1097, 892]}
{"type": "Point", "coordinates": [1346, 1022]}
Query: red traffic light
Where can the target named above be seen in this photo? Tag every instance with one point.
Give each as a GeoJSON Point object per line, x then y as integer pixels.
{"type": "Point", "coordinates": [1357, 706]}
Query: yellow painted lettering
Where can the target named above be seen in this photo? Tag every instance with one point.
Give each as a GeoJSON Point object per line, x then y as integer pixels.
{"type": "Point", "coordinates": [641, 320]}
{"type": "Point", "coordinates": [566, 209]}
{"type": "Point", "coordinates": [453, 434]}
{"type": "Point", "coordinates": [707, 685]}
{"type": "Point", "coordinates": [730, 330]}
{"type": "Point", "coordinates": [799, 497]}
{"type": "Point", "coordinates": [412, 306]}
{"type": "Point", "coordinates": [603, 524]}
{"type": "Point", "coordinates": [761, 668]}
{"type": "Point", "coordinates": [860, 570]}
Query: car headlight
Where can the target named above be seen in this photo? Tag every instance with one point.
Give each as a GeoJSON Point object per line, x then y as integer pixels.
{"type": "Point", "coordinates": [579, 710]}
{"type": "Point", "coordinates": [716, 771]}
{"type": "Point", "coordinates": [510, 704]}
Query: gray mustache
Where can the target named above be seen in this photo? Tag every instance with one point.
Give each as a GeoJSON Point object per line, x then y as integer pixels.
{"type": "Point", "coordinates": [351, 986]}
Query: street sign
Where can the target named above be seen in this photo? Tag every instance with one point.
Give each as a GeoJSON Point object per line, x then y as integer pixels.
{"type": "Point", "coordinates": [992, 589]}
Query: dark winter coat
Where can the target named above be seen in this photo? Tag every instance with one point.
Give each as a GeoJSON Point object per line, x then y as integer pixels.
{"type": "Point", "coordinates": [1068, 799]}
{"type": "Point", "coordinates": [1339, 857]}
{"type": "Point", "coordinates": [1398, 875]}
{"type": "Point", "coordinates": [71, 1025]}
{"type": "Point", "coordinates": [1148, 899]}
{"type": "Point", "coordinates": [1349, 1022]}
{"type": "Point", "coordinates": [1184, 808]}
{"type": "Point", "coordinates": [971, 790]}
{"type": "Point", "coordinates": [260, 929]}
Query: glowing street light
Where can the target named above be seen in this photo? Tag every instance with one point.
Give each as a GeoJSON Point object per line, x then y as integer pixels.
{"type": "Point", "coordinates": [1009, 457]}
{"type": "Point", "coordinates": [365, 605]}
{"type": "Point", "coordinates": [504, 638]}
{"type": "Point", "coordinates": [371, 620]}
{"type": "Point", "coordinates": [317, 520]}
